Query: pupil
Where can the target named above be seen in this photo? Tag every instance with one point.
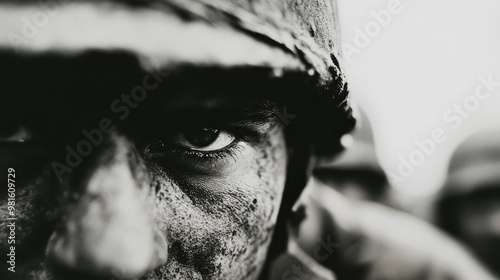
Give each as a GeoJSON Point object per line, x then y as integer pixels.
{"type": "Point", "coordinates": [201, 137]}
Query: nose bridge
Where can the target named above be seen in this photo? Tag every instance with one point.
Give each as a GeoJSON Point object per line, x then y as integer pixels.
{"type": "Point", "coordinates": [108, 228]}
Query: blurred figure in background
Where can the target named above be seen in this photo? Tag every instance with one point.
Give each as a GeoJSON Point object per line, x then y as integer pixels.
{"type": "Point", "coordinates": [469, 205]}
{"type": "Point", "coordinates": [345, 221]}
{"type": "Point", "coordinates": [362, 240]}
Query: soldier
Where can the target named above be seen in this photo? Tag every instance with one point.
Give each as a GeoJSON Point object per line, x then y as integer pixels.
{"type": "Point", "coordinates": [164, 139]}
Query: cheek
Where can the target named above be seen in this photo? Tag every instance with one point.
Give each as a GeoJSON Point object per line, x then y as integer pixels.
{"type": "Point", "coordinates": [216, 223]}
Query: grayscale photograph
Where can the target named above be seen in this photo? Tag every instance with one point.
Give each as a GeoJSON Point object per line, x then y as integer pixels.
{"type": "Point", "coordinates": [250, 140]}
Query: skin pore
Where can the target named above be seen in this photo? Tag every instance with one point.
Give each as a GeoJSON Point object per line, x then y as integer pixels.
{"type": "Point", "coordinates": [187, 187]}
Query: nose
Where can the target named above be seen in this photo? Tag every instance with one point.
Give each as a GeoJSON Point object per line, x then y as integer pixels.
{"type": "Point", "coordinates": [108, 229]}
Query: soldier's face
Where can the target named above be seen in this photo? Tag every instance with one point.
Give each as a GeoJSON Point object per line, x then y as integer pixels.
{"type": "Point", "coordinates": [182, 187]}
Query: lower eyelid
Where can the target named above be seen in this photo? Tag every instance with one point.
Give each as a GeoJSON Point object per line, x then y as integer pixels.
{"type": "Point", "coordinates": [185, 155]}
{"type": "Point", "coordinates": [196, 163]}
{"type": "Point", "coordinates": [229, 150]}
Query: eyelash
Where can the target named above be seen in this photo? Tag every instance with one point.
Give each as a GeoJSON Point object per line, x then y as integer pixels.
{"type": "Point", "coordinates": [175, 154]}
{"type": "Point", "coordinates": [229, 150]}
{"type": "Point", "coordinates": [200, 157]}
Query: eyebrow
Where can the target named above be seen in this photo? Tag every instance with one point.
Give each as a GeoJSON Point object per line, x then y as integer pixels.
{"type": "Point", "coordinates": [252, 95]}
{"type": "Point", "coordinates": [253, 120]}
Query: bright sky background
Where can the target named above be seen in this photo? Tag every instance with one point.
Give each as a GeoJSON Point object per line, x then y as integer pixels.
{"type": "Point", "coordinates": [425, 60]}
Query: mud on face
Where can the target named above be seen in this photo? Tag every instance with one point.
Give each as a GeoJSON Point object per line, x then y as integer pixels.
{"type": "Point", "coordinates": [184, 192]}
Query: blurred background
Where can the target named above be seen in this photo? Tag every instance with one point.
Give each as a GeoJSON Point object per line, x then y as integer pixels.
{"type": "Point", "coordinates": [414, 67]}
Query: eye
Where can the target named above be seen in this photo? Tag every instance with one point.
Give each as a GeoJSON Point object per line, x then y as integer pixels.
{"type": "Point", "coordinates": [194, 140]}
{"type": "Point", "coordinates": [204, 139]}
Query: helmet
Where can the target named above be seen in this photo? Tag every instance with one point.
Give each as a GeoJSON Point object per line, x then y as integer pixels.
{"type": "Point", "coordinates": [474, 165]}
{"type": "Point", "coordinates": [285, 36]}
{"type": "Point", "coordinates": [472, 172]}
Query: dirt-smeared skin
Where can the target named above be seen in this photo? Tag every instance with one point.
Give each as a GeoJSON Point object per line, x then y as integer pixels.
{"type": "Point", "coordinates": [217, 224]}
